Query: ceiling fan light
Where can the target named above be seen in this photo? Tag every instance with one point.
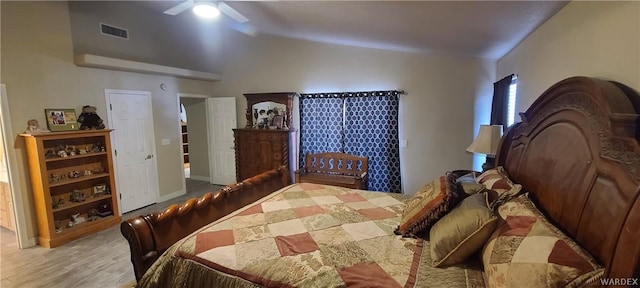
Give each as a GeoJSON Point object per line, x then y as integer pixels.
{"type": "Point", "coordinates": [206, 10]}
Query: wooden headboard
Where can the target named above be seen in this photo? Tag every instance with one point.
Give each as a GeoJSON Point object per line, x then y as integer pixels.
{"type": "Point", "coordinates": [576, 151]}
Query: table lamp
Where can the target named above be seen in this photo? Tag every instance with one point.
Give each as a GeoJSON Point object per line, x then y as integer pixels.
{"type": "Point", "coordinates": [487, 143]}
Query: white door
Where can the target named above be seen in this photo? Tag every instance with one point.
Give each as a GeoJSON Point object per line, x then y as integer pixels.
{"type": "Point", "coordinates": [221, 118]}
{"type": "Point", "coordinates": [131, 117]}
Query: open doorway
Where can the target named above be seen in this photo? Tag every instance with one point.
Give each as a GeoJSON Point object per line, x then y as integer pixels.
{"type": "Point", "coordinates": [185, 141]}
{"type": "Point", "coordinates": [7, 220]}
{"type": "Point", "coordinates": [193, 126]}
{"type": "Point", "coordinates": [12, 221]}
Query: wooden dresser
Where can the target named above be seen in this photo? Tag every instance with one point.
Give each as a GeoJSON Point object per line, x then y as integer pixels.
{"type": "Point", "coordinates": [260, 150]}
{"type": "Point", "coordinates": [264, 143]}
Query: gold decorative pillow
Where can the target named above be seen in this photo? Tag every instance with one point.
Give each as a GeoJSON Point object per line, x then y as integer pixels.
{"type": "Point", "coordinates": [462, 232]}
{"type": "Point", "coordinates": [428, 205]}
{"type": "Point", "coordinates": [501, 187]}
{"type": "Point", "coordinates": [526, 250]}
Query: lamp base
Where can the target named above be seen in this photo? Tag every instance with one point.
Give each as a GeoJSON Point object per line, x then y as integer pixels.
{"type": "Point", "coordinates": [490, 164]}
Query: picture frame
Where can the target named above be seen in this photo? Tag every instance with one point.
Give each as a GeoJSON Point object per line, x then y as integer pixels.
{"type": "Point", "coordinates": [278, 121]}
{"type": "Point", "coordinates": [100, 189]}
{"type": "Point", "coordinates": [61, 119]}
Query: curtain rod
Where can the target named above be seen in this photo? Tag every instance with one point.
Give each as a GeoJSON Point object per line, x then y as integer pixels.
{"type": "Point", "coordinates": [353, 94]}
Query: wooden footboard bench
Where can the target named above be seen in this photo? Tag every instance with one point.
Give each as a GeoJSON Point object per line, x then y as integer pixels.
{"type": "Point", "coordinates": [338, 169]}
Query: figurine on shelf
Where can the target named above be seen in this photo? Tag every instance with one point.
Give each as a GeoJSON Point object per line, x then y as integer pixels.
{"type": "Point", "coordinates": [97, 170]}
{"type": "Point", "coordinates": [104, 210]}
{"type": "Point", "coordinates": [75, 219]}
{"type": "Point", "coordinates": [98, 147]}
{"type": "Point", "coordinates": [60, 151]}
{"type": "Point", "coordinates": [77, 196]}
{"type": "Point", "coordinates": [33, 127]}
{"type": "Point", "coordinates": [74, 174]}
{"type": "Point", "coordinates": [56, 203]}
{"type": "Point", "coordinates": [89, 119]}
{"type": "Point", "coordinates": [99, 190]}
{"type": "Point", "coordinates": [82, 151]}
{"type": "Point", "coordinates": [49, 154]}
{"type": "Point", "coordinates": [58, 225]}
{"type": "Point", "coordinates": [54, 177]}
{"type": "Point", "coordinates": [93, 215]}
{"type": "Point", "coordinates": [71, 151]}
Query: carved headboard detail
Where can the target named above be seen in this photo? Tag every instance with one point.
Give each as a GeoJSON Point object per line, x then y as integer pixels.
{"type": "Point", "coordinates": [576, 151]}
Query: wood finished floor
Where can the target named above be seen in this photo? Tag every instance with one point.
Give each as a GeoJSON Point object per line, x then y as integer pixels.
{"type": "Point", "coordinates": [98, 260]}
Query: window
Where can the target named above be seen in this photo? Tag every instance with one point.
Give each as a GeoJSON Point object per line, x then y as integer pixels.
{"type": "Point", "coordinates": [511, 103]}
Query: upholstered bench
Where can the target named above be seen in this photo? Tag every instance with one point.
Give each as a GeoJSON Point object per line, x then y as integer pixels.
{"type": "Point", "coordinates": [338, 169]}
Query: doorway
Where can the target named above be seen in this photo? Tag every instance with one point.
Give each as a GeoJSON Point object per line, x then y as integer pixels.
{"type": "Point", "coordinates": [209, 137]}
{"type": "Point", "coordinates": [12, 222]}
{"type": "Point", "coordinates": [193, 128]}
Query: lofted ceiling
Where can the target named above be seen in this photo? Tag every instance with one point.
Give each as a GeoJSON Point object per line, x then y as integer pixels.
{"type": "Point", "coordinates": [488, 29]}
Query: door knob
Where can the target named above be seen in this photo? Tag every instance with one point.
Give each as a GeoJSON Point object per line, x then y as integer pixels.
{"type": "Point", "coordinates": [148, 157]}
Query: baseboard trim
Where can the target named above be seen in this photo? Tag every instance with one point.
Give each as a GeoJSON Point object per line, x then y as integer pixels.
{"type": "Point", "coordinates": [31, 242]}
{"type": "Point", "coordinates": [199, 178]}
{"type": "Point", "coordinates": [171, 195]}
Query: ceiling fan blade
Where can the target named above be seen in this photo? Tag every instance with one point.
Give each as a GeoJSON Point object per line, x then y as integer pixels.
{"type": "Point", "coordinates": [244, 28]}
{"type": "Point", "coordinates": [175, 10]}
{"type": "Point", "coordinates": [235, 15]}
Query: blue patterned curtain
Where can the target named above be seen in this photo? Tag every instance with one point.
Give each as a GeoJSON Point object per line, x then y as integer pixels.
{"type": "Point", "coordinates": [371, 129]}
{"type": "Point", "coordinates": [320, 124]}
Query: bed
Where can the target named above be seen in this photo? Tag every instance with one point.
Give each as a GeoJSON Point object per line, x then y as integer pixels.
{"type": "Point", "coordinates": [575, 153]}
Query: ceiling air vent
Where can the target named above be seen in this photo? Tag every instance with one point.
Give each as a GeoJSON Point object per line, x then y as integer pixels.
{"type": "Point", "coordinates": [111, 30]}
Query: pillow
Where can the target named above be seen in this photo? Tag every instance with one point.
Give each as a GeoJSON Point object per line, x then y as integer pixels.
{"type": "Point", "coordinates": [462, 232]}
{"type": "Point", "coordinates": [470, 188]}
{"type": "Point", "coordinates": [458, 174]}
{"type": "Point", "coordinates": [467, 183]}
{"type": "Point", "coordinates": [429, 204]}
{"type": "Point", "coordinates": [527, 250]}
{"type": "Point", "coordinates": [501, 187]}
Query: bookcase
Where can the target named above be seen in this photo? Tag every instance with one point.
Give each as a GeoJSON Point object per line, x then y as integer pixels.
{"type": "Point", "coordinates": [73, 184]}
{"type": "Point", "coordinates": [185, 143]}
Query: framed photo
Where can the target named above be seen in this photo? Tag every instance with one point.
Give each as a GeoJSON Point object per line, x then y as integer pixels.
{"type": "Point", "coordinates": [278, 121]}
{"type": "Point", "coordinates": [61, 119]}
{"type": "Point", "coordinates": [100, 189]}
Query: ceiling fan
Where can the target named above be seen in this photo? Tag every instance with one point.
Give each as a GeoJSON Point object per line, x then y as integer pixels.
{"type": "Point", "coordinates": [212, 8]}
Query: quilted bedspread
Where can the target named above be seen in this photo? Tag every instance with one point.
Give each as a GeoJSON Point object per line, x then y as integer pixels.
{"type": "Point", "coordinates": [307, 235]}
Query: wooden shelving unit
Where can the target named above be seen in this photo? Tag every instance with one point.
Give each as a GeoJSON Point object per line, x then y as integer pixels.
{"type": "Point", "coordinates": [54, 180]}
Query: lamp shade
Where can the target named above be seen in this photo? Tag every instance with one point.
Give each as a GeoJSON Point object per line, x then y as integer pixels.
{"type": "Point", "coordinates": [487, 140]}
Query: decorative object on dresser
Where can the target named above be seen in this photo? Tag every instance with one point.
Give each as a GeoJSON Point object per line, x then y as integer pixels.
{"type": "Point", "coordinates": [61, 119]}
{"type": "Point", "coordinates": [278, 103]}
{"type": "Point", "coordinates": [34, 127]}
{"type": "Point", "coordinates": [261, 145]}
{"type": "Point", "coordinates": [338, 169]}
{"type": "Point", "coordinates": [66, 189]}
{"type": "Point", "coordinates": [487, 143]}
{"type": "Point", "coordinates": [89, 119]}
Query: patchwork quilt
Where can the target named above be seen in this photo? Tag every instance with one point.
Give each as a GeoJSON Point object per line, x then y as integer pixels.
{"type": "Point", "coordinates": [307, 235]}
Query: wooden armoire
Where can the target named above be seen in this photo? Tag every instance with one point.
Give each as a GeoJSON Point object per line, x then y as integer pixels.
{"type": "Point", "coordinates": [264, 143]}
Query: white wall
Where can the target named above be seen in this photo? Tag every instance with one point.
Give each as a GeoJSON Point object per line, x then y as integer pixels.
{"type": "Point", "coordinates": [436, 117]}
{"type": "Point", "coordinates": [595, 39]}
